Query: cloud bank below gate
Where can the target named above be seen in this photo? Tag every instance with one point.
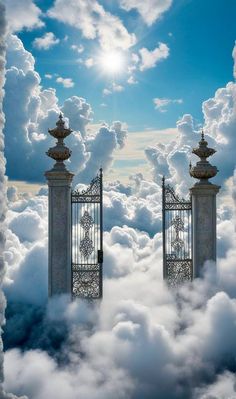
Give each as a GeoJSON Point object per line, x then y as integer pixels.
{"type": "Point", "coordinates": [142, 340]}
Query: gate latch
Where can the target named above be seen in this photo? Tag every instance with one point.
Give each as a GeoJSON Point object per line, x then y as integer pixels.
{"type": "Point", "coordinates": [100, 256]}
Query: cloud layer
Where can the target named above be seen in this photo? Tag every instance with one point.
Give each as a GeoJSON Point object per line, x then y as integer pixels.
{"type": "Point", "coordinates": [142, 339]}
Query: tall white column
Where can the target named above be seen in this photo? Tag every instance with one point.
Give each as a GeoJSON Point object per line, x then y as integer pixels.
{"type": "Point", "coordinates": [59, 216]}
{"type": "Point", "coordinates": [203, 209]}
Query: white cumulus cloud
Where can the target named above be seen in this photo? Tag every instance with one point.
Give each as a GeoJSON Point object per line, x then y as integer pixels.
{"type": "Point", "coordinates": [150, 58]}
{"type": "Point", "coordinates": [94, 22]}
{"type": "Point", "coordinates": [150, 10]}
{"type": "Point", "coordinates": [45, 42]}
{"type": "Point", "coordinates": [23, 14]}
{"type": "Point", "coordinates": [66, 82]}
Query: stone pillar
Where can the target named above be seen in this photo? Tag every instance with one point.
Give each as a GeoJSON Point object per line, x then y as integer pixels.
{"type": "Point", "coordinates": [203, 209]}
{"type": "Point", "coordinates": [59, 212]}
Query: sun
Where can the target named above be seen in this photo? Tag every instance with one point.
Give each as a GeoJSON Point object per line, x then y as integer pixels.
{"type": "Point", "coordinates": [112, 62]}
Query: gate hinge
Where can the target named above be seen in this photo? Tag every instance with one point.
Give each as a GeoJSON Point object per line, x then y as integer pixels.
{"type": "Point", "coordinates": [100, 256]}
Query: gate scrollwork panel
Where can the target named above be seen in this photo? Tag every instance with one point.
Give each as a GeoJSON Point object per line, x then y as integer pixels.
{"type": "Point", "coordinates": [176, 230]}
{"type": "Point", "coordinates": [87, 240]}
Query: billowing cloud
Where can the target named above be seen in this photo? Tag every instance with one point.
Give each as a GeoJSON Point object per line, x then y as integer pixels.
{"type": "Point", "coordinates": [2, 180]}
{"type": "Point", "coordinates": [23, 14]}
{"type": "Point", "coordinates": [45, 42]}
{"type": "Point", "coordinates": [36, 111]}
{"type": "Point", "coordinates": [3, 190]}
{"type": "Point", "coordinates": [150, 58]}
{"type": "Point", "coordinates": [234, 57]}
{"type": "Point", "coordinates": [219, 114]}
{"type": "Point", "coordinates": [101, 148]}
{"type": "Point", "coordinates": [94, 22]}
{"type": "Point", "coordinates": [150, 10]}
{"type": "Point", "coordinates": [139, 341]}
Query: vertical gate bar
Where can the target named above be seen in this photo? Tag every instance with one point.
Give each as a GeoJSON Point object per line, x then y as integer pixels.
{"type": "Point", "coordinates": [101, 233]}
{"type": "Point", "coordinates": [97, 229]}
{"type": "Point", "coordinates": [164, 227]}
{"type": "Point", "coordinates": [77, 227]}
{"type": "Point", "coordinates": [168, 232]}
{"type": "Point", "coordinates": [71, 248]}
{"type": "Point", "coordinates": [181, 236]}
{"type": "Point", "coordinates": [188, 237]}
{"type": "Point", "coordinates": [101, 210]}
{"type": "Point", "coordinates": [94, 230]}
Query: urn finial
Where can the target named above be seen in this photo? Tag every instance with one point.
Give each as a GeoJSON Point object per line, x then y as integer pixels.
{"type": "Point", "coordinates": [203, 170]}
{"type": "Point", "coordinates": [59, 152]}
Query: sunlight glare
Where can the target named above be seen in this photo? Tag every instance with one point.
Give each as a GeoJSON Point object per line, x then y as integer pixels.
{"type": "Point", "coordinates": [112, 62]}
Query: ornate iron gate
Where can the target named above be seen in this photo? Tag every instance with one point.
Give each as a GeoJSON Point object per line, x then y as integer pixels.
{"type": "Point", "coordinates": [87, 240]}
{"type": "Point", "coordinates": [177, 242]}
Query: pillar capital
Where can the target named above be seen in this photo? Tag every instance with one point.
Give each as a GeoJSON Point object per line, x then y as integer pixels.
{"type": "Point", "coordinates": [204, 189]}
{"type": "Point", "coordinates": [59, 178]}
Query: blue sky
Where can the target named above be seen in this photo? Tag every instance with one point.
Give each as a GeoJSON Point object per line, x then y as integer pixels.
{"type": "Point", "coordinates": [200, 37]}
{"type": "Point", "coordinates": [169, 57]}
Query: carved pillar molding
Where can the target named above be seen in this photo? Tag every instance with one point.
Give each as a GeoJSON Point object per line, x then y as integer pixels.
{"type": "Point", "coordinates": [203, 208]}
{"type": "Point", "coordinates": [59, 215]}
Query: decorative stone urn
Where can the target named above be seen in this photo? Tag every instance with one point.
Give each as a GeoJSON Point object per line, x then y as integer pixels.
{"type": "Point", "coordinates": [59, 152]}
{"type": "Point", "coordinates": [203, 169]}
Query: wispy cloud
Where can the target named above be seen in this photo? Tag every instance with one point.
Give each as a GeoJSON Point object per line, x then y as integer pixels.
{"type": "Point", "coordinates": [113, 88]}
{"type": "Point", "coordinates": [89, 62]}
{"type": "Point", "coordinates": [162, 103]}
{"type": "Point", "coordinates": [78, 48]}
{"type": "Point", "coordinates": [66, 82]}
{"type": "Point", "coordinates": [132, 80]}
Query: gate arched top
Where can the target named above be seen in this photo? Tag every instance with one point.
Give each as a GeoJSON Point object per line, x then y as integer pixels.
{"type": "Point", "coordinates": [92, 193]}
{"type": "Point", "coordinates": [173, 200]}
